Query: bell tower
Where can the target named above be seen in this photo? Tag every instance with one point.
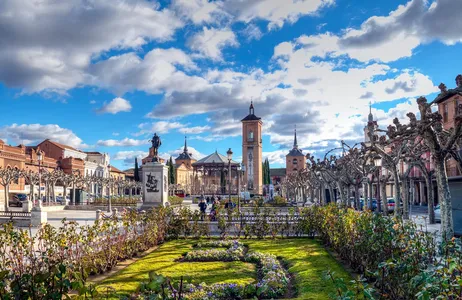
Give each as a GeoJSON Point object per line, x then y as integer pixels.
{"type": "Point", "coordinates": [252, 151]}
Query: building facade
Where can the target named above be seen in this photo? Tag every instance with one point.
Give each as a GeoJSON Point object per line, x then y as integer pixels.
{"type": "Point", "coordinates": [211, 175]}
{"type": "Point", "coordinates": [295, 159]}
{"type": "Point", "coordinates": [184, 172]}
{"type": "Point", "coordinates": [13, 157]}
{"type": "Point", "coordinates": [252, 147]}
{"type": "Point", "coordinates": [69, 159]}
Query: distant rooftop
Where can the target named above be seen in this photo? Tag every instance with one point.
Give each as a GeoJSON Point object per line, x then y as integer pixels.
{"type": "Point", "coordinates": [214, 158]}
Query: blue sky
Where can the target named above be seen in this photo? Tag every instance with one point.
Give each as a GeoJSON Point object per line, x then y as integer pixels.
{"type": "Point", "coordinates": [105, 75]}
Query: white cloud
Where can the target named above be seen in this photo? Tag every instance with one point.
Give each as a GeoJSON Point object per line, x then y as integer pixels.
{"type": "Point", "coordinates": [54, 53]}
{"type": "Point", "coordinates": [276, 157]}
{"type": "Point", "coordinates": [388, 38]}
{"type": "Point", "coordinates": [126, 142]}
{"type": "Point", "coordinates": [198, 11]}
{"type": "Point", "coordinates": [115, 106]}
{"type": "Point", "coordinates": [31, 134]}
{"type": "Point", "coordinates": [128, 157]}
{"type": "Point", "coordinates": [159, 127]}
{"type": "Point", "coordinates": [252, 32]}
{"type": "Point", "coordinates": [194, 129]}
{"type": "Point", "coordinates": [195, 153]}
{"type": "Point", "coordinates": [277, 12]}
{"type": "Point", "coordinates": [92, 102]}
{"type": "Point", "coordinates": [115, 134]}
{"type": "Point", "coordinates": [210, 42]}
{"type": "Point", "coordinates": [155, 73]}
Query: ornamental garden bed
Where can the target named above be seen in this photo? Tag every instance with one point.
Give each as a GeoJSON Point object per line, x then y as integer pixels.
{"type": "Point", "coordinates": [278, 269]}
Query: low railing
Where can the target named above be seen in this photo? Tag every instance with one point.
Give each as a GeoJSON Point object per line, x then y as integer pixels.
{"type": "Point", "coordinates": [15, 215]}
{"type": "Point", "coordinates": [248, 218]}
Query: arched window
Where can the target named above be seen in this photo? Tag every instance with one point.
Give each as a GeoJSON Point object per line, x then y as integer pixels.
{"type": "Point", "coordinates": [250, 136]}
{"type": "Point", "coordinates": [295, 169]}
{"type": "Point", "coordinates": [294, 161]}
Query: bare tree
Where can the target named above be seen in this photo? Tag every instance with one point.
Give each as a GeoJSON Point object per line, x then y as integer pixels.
{"type": "Point", "coordinates": [441, 144]}
{"type": "Point", "coordinates": [390, 150]}
{"type": "Point", "coordinates": [8, 175]}
{"type": "Point", "coordinates": [32, 178]}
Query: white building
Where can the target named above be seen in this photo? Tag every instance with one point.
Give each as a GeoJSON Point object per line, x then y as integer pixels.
{"type": "Point", "coordinates": [96, 164]}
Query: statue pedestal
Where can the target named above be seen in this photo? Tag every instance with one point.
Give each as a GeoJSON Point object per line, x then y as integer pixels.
{"type": "Point", "coordinates": [155, 184]}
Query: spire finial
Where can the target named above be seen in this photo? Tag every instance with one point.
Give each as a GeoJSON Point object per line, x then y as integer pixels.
{"type": "Point", "coordinates": [251, 109]}
{"type": "Point", "coordinates": [295, 138]}
{"type": "Point", "coordinates": [371, 117]}
{"type": "Point", "coordinates": [185, 150]}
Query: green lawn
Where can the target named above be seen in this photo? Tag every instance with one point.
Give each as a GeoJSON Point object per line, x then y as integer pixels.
{"type": "Point", "coordinates": [307, 259]}
{"type": "Point", "coordinates": [163, 262]}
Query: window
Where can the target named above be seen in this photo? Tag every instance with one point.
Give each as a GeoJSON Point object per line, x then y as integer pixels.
{"type": "Point", "coordinates": [445, 112]}
{"type": "Point", "coordinates": [250, 136]}
{"type": "Point", "coordinates": [294, 161]}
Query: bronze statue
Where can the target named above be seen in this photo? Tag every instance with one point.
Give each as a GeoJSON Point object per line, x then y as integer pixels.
{"type": "Point", "coordinates": [156, 143]}
{"type": "Point", "coordinates": [459, 81]}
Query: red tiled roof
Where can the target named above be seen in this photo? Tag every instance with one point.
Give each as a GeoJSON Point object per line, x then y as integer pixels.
{"type": "Point", "coordinates": [62, 146]}
{"type": "Point", "coordinates": [115, 170]}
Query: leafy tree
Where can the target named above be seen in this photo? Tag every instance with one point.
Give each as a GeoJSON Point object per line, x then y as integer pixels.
{"type": "Point", "coordinates": [137, 175]}
{"type": "Point", "coordinates": [171, 171]}
{"type": "Point", "coordinates": [268, 173]}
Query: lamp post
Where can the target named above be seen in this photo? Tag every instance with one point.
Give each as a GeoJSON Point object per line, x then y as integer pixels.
{"type": "Point", "coordinates": [109, 187]}
{"type": "Point", "coordinates": [230, 157]}
{"type": "Point", "coordinates": [40, 158]}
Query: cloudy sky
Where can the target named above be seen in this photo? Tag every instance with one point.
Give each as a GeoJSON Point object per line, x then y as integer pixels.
{"type": "Point", "coordinates": [105, 75]}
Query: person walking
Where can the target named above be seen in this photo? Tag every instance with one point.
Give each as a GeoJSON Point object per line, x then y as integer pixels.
{"type": "Point", "coordinates": [203, 208]}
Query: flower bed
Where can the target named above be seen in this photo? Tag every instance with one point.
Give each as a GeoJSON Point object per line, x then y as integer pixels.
{"type": "Point", "coordinates": [234, 252]}
{"type": "Point", "coordinates": [272, 277]}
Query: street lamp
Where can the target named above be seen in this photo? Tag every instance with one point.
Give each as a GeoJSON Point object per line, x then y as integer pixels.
{"type": "Point", "coordinates": [40, 158]}
{"type": "Point", "coordinates": [109, 187]}
{"type": "Point", "coordinates": [230, 157]}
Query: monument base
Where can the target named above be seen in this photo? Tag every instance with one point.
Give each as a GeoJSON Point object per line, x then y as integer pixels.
{"type": "Point", "coordinates": [155, 185]}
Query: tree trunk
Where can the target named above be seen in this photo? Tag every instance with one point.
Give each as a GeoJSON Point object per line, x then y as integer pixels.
{"type": "Point", "coordinates": [331, 194]}
{"type": "Point", "coordinates": [31, 193]}
{"type": "Point", "coordinates": [365, 193]}
{"type": "Point", "coordinates": [73, 194]}
{"type": "Point", "coordinates": [322, 194]}
{"type": "Point", "coordinates": [397, 194]}
{"type": "Point", "coordinates": [444, 195]}
{"type": "Point", "coordinates": [6, 190]}
{"type": "Point", "coordinates": [356, 202]}
{"type": "Point", "coordinates": [430, 200]}
{"type": "Point", "coordinates": [47, 192]}
{"type": "Point", "coordinates": [64, 192]}
{"type": "Point", "coordinates": [340, 191]}
{"type": "Point", "coordinates": [383, 196]}
{"type": "Point", "coordinates": [53, 192]}
{"type": "Point", "coordinates": [405, 184]}
{"type": "Point", "coordinates": [348, 195]}
{"type": "Point", "coordinates": [371, 194]}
